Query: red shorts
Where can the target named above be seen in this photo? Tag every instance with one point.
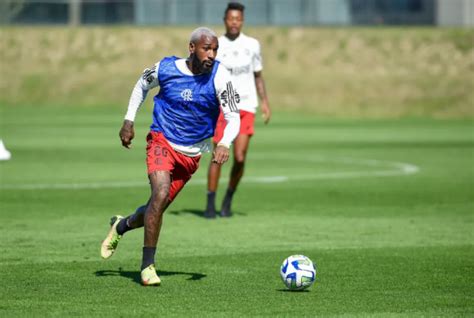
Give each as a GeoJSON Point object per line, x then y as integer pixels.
{"type": "Point", "coordinates": [160, 156]}
{"type": "Point", "coordinates": [247, 120]}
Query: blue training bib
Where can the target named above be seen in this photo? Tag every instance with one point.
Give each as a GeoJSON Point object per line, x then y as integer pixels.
{"type": "Point", "coordinates": [186, 107]}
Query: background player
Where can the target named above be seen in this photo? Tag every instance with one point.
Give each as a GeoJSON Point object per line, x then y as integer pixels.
{"type": "Point", "coordinates": [240, 54]}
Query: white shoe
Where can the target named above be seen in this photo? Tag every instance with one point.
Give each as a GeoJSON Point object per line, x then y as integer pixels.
{"type": "Point", "coordinates": [149, 276]}
{"type": "Point", "coordinates": [109, 245]}
{"type": "Point", "coordinates": [4, 153]}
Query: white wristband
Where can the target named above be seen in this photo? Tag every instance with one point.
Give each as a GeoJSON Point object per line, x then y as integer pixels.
{"type": "Point", "coordinates": [223, 145]}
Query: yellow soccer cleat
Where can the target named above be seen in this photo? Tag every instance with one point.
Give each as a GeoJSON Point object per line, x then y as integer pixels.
{"type": "Point", "coordinates": [149, 276]}
{"type": "Point", "coordinates": [109, 245]}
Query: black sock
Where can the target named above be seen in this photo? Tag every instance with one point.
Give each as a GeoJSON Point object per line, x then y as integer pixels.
{"type": "Point", "coordinates": [227, 199]}
{"type": "Point", "coordinates": [122, 226]}
{"type": "Point", "coordinates": [211, 201]}
{"type": "Point", "coordinates": [148, 256]}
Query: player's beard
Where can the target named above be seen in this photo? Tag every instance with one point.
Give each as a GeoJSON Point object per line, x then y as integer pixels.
{"type": "Point", "coordinates": [202, 67]}
{"type": "Point", "coordinates": [206, 66]}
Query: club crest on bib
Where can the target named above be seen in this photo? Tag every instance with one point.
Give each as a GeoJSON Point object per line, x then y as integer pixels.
{"type": "Point", "coordinates": [187, 95]}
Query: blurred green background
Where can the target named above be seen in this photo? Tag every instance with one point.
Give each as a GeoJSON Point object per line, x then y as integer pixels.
{"type": "Point", "coordinates": [336, 72]}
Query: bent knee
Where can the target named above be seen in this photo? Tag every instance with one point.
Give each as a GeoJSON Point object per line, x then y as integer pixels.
{"type": "Point", "coordinates": [162, 194]}
{"type": "Point", "coordinates": [239, 158]}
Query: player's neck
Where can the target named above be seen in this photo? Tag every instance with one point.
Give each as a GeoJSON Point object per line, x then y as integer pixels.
{"type": "Point", "coordinates": [232, 37]}
{"type": "Point", "coordinates": [191, 66]}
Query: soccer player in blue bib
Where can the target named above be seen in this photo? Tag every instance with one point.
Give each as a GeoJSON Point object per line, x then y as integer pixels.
{"type": "Point", "coordinates": [192, 92]}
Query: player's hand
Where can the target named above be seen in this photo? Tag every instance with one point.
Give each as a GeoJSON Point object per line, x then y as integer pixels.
{"type": "Point", "coordinates": [266, 113]}
{"type": "Point", "coordinates": [127, 133]}
{"type": "Point", "coordinates": [220, 154]}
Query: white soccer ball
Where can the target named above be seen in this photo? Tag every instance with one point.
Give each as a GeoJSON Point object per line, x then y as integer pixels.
{"type": "Point", "coordinates": [298, 272]}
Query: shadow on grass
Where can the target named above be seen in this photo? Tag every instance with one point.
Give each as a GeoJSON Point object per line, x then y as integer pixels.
{"type": "Point", "coordinates": [283, 290]}
{"type": "Point", "coordinates": [135, 275]}
{"type": "Point", "coordinates": [200, 213]}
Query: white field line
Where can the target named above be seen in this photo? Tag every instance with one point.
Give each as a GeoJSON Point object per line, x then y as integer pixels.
{"type": "Point", "coordinates": [387, 169]}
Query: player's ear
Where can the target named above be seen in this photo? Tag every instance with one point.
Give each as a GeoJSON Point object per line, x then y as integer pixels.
{"type": "Point", "coordinates": [192, 47]}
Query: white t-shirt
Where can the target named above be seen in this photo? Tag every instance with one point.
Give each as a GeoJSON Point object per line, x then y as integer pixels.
{"type": "Point", "coordinates": [242, 58]}
{"type": "Point", "coordinates": [222, 84]}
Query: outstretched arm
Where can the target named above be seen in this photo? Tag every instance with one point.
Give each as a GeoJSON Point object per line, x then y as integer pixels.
{"type": "Point", "coordinates": [262, 93]}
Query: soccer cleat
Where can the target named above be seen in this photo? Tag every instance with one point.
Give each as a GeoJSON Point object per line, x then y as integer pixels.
{"type": "Point", "coordinates": [109, 245]}
{"type": "Point", "coordinates": [149, 276]}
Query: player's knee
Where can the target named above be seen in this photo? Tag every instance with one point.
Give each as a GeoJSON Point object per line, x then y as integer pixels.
{"type": "Point", "coordinates": [161, 195]}
{"type": "Point", "coordinates": [239, 158]}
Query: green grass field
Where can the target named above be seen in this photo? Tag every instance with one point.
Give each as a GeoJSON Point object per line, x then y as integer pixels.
{"type": "Point", "coordinates": [384, 208]}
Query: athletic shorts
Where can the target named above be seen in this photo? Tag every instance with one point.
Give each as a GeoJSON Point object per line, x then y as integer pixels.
{"type": "Point", "coordinates": [160, 156]}
{"type": "Point", "coordinates": [247, 120]}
